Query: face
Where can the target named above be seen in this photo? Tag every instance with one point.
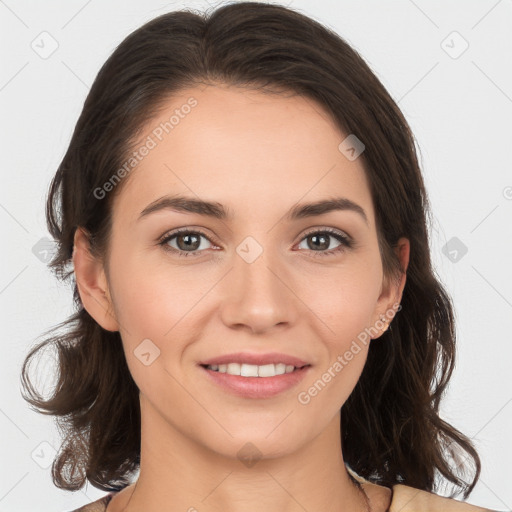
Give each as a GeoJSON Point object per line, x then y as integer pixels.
{"type": "Point", "coordinates": [258, 280]}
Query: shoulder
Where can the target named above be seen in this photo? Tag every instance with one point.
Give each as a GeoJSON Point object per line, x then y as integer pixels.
{"type": "Point", "coordinates": [410, 499]}
{"type": "Point", "coordinates": [96, 506]}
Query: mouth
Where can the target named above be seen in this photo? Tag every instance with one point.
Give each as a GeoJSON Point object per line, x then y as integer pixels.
{"type": "Point", "coordinates": [255, 381]}
{"type": "Point", "coordinates": [253, 370]}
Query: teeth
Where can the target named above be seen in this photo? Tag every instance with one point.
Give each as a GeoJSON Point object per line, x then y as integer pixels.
{"type": "Point", "coordinates": [252, 370]}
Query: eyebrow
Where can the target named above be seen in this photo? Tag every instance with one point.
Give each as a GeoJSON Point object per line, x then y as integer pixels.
{"type": "Point", "coordinates": [216, 210]}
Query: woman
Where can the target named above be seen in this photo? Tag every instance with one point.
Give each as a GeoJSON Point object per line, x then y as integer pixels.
{"type": "Point", "coordinates": [258, 321]}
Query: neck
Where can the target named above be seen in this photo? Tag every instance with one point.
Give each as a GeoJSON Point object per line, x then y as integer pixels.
{"type": "Point", "coordinates": [177, 474]}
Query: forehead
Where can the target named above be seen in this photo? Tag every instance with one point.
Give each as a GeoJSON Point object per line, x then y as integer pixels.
{"type": "Point", "coordinates": [243, 148]}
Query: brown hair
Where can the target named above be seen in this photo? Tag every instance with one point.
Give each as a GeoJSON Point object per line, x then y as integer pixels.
{"type": "Point", "coordinates": [390, 424]}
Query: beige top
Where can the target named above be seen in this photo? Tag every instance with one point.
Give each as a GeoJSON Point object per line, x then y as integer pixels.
{"type": "Point", "coordinates": [405, 499]}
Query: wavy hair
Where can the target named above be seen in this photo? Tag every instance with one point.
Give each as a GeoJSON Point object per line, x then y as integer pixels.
{"type": "Point", "coordinates": [391, 428]}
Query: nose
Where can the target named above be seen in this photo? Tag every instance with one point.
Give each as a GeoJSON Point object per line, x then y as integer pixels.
{"type": "Point", "coordinates": [258, 296]}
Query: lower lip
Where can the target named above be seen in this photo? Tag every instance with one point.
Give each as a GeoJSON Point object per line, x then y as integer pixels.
{"type": "Point", "coordinates": [257, 387]}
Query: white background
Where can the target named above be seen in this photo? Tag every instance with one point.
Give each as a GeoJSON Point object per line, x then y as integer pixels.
{"type": "Point", "coordinates": [459, 109]}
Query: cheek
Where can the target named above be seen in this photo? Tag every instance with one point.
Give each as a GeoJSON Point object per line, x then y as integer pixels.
{"type": "Point", "coordinates": [334, 379]}
{"type": "Point", "coordinates": [158, 315]}
{"type": "Point", "coordinates": [150, 297]}
{"type": "Point", "coordinates": [344, 308]}
{"type": "Point", "coordinates": [345, 298]}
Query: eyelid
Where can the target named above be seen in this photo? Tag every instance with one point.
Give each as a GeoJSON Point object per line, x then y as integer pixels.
{"type": "Point", "coordinates": [325, 229]}
{"type": "Point", "coordinates": [169, 235]}
{"type": "Point", "coordinates": [346, 241]}
{"type": "Point", "coordinates": [188, 229]}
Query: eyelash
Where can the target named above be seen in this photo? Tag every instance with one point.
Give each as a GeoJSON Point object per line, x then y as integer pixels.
{"type": "Point", "coordinates": [345, 241]}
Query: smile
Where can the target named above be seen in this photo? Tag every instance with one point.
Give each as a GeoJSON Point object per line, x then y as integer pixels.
{"type": "Point", "coordinates": [252, 381]}
{"type": "Point", "coordinates": [253, 370]}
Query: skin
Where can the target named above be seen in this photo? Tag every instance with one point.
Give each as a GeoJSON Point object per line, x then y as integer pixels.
{"type": "Point", "coordinates": [258, 155]}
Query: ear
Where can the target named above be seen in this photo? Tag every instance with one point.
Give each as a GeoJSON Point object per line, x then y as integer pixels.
{"type": "Point", "coordinates": [391, 293]}
{"type": "Point", "coordinates": [92, 283]}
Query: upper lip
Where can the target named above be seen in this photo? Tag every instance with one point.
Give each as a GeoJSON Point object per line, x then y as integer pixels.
{"type": "Point", "coordinates": [257, 359]}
